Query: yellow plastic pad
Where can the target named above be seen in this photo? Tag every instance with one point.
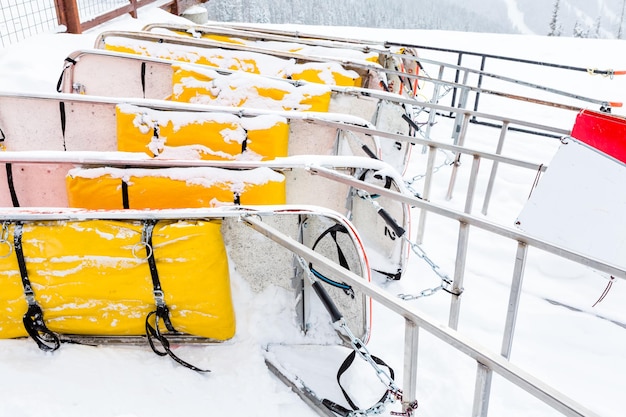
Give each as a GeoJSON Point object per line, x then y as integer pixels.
{"type": "Point", "coordinates": [199, 135]}
{"type": "Point", "coordinates": [321, 72]}
{"type": "Point", "coordinates": [102, 188]}
{"type": "Point", "coordinates": [92, 278]}
{"type": "Point", "coordinates": [241, 89]}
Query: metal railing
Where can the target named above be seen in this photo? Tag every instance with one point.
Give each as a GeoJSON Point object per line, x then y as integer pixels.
{"type": "Point", "coordinates": [487, 362]}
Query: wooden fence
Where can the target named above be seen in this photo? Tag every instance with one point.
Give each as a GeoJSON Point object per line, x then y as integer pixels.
{"type": "Point", "coordinates": [23, 19]}
{"type": "Point", "coordinates": [68, 12]}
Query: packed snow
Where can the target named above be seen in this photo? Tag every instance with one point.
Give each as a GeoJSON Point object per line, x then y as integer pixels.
{"type": "Point", "coordinates": [560, 338]}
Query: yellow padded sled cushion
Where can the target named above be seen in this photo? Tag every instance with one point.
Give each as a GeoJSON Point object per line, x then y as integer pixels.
{"type": "Point", "coordinates": [101, 188]}
{"type": "Point", "coordinates": [200, 135]}
{"type": "Point", "coordinates": [326, 73]}
{"type": "Point", "coordinates": [241, 89]}
{"type": "Point", "coordinates": [92, 278]}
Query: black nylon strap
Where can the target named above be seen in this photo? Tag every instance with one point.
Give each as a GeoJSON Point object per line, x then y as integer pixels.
{"type": "Point", "coordinates": [125, 201]}
{"type": "Point", "coordinates": [244, 144]}
{"type": "Point", "coordinates": [70, 62]}
{"type": "Point", "coordinates": [11, 185]}
{"type": "Point", "coordinates": [33, 319]}
{"type": "Point", "coordinates": [63, 118]}
{"type": "Point", "coordinates": [154, 274]}
{"type": "Point", "coordinates": [153, 332]}
{"type": "Point", "coordinates": [143, 79]}
{"type": "Point", "coordinates": [344, 367]}
{"type": "Point", "coordinates": [161, 312]}
{"type": "Point", "coordinates": [340, 255]}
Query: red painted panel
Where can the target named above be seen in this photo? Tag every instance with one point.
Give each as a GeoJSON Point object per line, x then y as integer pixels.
{"type": "Point", "coordinates": [603, 131]}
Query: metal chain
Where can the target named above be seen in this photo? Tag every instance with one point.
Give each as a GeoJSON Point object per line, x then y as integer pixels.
{"type": "Point", "coordinates": [447, 162]}
{"type": "Point", "coordinates": [361, 350]}
{"type": "Point", "coordinates": [446, 281]}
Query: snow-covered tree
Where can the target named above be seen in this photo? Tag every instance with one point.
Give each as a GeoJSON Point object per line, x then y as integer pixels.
{"type": "Point", "coordinates": [596, 33]}
{"type": "Point", "coordinates": [398, 14]}
{"type": "Point", "coordinates": [555, 27]}
{"type": "Point", "coordinates": [579, 31]}
{"type": "Point", "coordinates": [621, 20]}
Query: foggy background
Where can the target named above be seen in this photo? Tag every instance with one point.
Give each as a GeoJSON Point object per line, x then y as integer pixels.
{"type": "Point", "coordinates": [581, 18]}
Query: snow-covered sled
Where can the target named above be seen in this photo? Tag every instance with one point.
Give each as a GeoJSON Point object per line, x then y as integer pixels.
{"type": "Point", "coordinates": [105, 73]}
{"type": "Point", "coordinates": [399, 64]}
{"type": "Point", "coordinates": [121, 164]}
{"type": "Point", "coordinates": [103, 276]}
{"type": "Point", "coordinates": [315, 66]}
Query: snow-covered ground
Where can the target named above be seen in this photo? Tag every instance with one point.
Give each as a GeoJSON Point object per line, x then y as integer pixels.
{"type": "Point", "coordinates": [566, 342]}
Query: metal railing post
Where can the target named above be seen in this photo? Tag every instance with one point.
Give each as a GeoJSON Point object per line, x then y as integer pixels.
{"type": "Point", "coordinates": [421, 226]}
{"type": "Point", "coordinates": [459, 60]}
{"type": "Point", "coordinates": [434, 99]}
{"type": "Point", "coordinates": [459, 274]}
{"type": "Point", "coordinates": [462, 105]}
{"type": "Point", "coordinates": [514, 297]}
{"type": "Point", "coordinates": [411, 340]}
{"type": "Point", "coordinates": [471, 187]}
{"type": "Point", "coordinates": [457, 159]}
{"type": "Point", "coordinates": [482, 390]}
{"type": "Point", "coordinates": [479, 85]}
{"type": "Point", "coordinates": [494, 167]}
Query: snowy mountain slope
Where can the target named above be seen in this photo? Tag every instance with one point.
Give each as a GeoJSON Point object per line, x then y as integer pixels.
{"type": "Point", "coordinates": [534, 16]}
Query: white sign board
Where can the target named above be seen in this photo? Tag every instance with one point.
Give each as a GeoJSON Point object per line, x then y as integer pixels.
{"type": "Point", "coordinates": [580, 203]}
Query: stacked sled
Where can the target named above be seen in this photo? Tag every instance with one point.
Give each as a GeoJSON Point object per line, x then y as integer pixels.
{"type": "Point", "coordinates": [172, 157]}
{"type": "Point", "coordinates": [169, 158]}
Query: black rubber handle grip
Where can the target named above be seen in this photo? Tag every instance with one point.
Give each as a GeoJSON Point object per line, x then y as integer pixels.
{"type": "Point", "coordinates": [330, 306]}
{"type": "Point", "coordinates": [369, 152]}
{"type": "Point", "coordinates": [391, 222]}
{"type": "Point", "coordinates": [336, 408]}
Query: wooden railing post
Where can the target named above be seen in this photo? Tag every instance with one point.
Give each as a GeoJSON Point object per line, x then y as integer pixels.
{"type": "Point", "coordinates": [67, 12]}
{"type": "Point", "coordinates": [133, 12]}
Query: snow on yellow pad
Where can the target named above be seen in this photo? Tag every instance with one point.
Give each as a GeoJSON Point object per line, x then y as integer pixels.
{"type": "Point", "coordinates": [108, 188]}
{"type": "Point", "coordinates": [293, 47]}
{"type": "Point", "coordinates": [92, 277]}
{"type": "Point", "coordinates": [200, 135]}
{"type": "Point", "coordinates": [195, 85]}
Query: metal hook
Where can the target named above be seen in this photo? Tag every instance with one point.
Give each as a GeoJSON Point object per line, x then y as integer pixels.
{"type": "Point", "coordinates": [142, 246]}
